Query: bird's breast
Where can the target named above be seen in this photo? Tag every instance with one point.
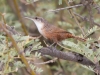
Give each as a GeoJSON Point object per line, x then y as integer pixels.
{"type": "Point", "coordinates": [42, 31]}
{"type": "Point", "coordinates": [39, 27]}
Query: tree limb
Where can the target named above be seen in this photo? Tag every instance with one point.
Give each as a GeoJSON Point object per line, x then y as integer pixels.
{"type": "Point", "coordinates": [70, 56]}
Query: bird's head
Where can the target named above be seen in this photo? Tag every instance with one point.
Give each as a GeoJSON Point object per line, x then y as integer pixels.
{"type": "Point", "coordinates": [39, 21]}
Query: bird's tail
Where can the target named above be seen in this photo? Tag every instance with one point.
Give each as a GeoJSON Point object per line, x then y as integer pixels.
{"type": "Point", "coordinates": [79, 38]}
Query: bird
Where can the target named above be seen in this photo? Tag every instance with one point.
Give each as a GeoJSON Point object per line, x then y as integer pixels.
{"type": "Point", "coordinates": [52, 32]}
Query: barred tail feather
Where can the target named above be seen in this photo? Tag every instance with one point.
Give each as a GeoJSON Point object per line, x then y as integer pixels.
{"type": "Point", "coordinates": [80, 39]}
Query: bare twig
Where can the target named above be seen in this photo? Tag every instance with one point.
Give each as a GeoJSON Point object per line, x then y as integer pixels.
{"type": "Point", "coordinates": [5, 25]}
{"type": "Point", "coordinates": [89, 9]}
{"type": "Point", "coordinates": [3, 17]}
{"type": "Point", "coordinates": [50, 61]}
{"type": "Point", "coordinates": [75, 18]}
{"type": "Point", "coordinates": [69, 7]}
{"type": "Point", "coordinates": [96, 6]}
{"type": "Point", "coordinates": [20, 16]}
{"type": "Point", "coordinates": [86, 19]}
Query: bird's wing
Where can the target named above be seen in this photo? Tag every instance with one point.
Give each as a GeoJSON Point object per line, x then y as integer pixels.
{"type": "Point", "coordinates": [59, 30]}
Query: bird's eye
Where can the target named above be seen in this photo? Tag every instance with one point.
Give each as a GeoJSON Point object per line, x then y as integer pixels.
{"type": "Point", "coordinates": [36, 18]}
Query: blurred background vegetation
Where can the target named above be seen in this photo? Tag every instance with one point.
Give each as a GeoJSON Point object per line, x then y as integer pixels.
{"type": "Point", "coordinates": [14, 12]}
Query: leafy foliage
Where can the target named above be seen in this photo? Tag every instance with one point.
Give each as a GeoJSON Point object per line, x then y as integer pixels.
{"type": "Point", "coordinates": [10, 56]}
{"type": "Point", "coordinates": [10, 61]}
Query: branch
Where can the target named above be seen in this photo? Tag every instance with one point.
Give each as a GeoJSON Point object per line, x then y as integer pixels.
{"type": "Point", "coordinates": [69, 7]}
{"type": "Point", "coordinates": [71, 56]}
{"type": "Point", "coordinates": [3, 17]}
{"type": "Point", "coordinates": [93, 4]}
{"type": "Point", "coordinates": [75, 18]}
{"type": "Point", "coordinates": [20, 16]}
{"type": "Point", "coordinates": [86, 19]}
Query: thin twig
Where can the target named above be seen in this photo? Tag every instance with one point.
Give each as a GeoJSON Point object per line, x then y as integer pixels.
{"type": "Point", "coordinates": [75, 18]}
{"type": "Point", "coordinates": [50, 61]}
{"type": "Point", "coordinates": [3, 18]}
{"type": "Point", "coordinates": [69, 7]}
{"type": "Point", "coordinates": [68, 49]}
{"type": "Point", "coordinates": [19, 16]}
{"type": "Point", "coordinates": [86, 19]}
{"type": "Point", "coordinates": [4, 26]}
{"type": "Point", "coordinates": [7, 63]}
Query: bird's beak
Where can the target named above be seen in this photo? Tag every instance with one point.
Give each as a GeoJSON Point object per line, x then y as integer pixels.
{"type": "Point", "coordinates": [30, 18]}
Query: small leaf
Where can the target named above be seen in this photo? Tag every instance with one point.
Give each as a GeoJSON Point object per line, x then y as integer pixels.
{"type": "Point", "coordinates": [39, 70]}
{"type": "Point", "coordinates": [27, 53]}
{"type": "Point", "coordinates": [28, 44]}
{"type": "Point", "coordinates": [36, 45]}
{"type": "Point", "coordinates": [32, 67]}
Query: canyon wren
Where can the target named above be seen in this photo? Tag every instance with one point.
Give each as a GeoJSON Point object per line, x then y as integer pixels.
{"type": "Point", "coordinates": [52, 32]}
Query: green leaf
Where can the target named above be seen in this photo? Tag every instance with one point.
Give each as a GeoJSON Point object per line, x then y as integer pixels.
{"type": "Point", "coordinates": [39, 70]}
{"type": "Point", "coordinates": [38, 55]}
{"type": "Point", "coordinates": [36, 46]}
{"type": "Point", "coordinates": [18, 64]}
{"type": "Point", "coordinates": [32, 66]}
{"type": "Point", "coordinates": [28, 44]}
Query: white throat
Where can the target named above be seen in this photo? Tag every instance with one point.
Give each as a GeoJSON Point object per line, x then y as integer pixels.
{"type": "Point", "coordinates": [39, 25]}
